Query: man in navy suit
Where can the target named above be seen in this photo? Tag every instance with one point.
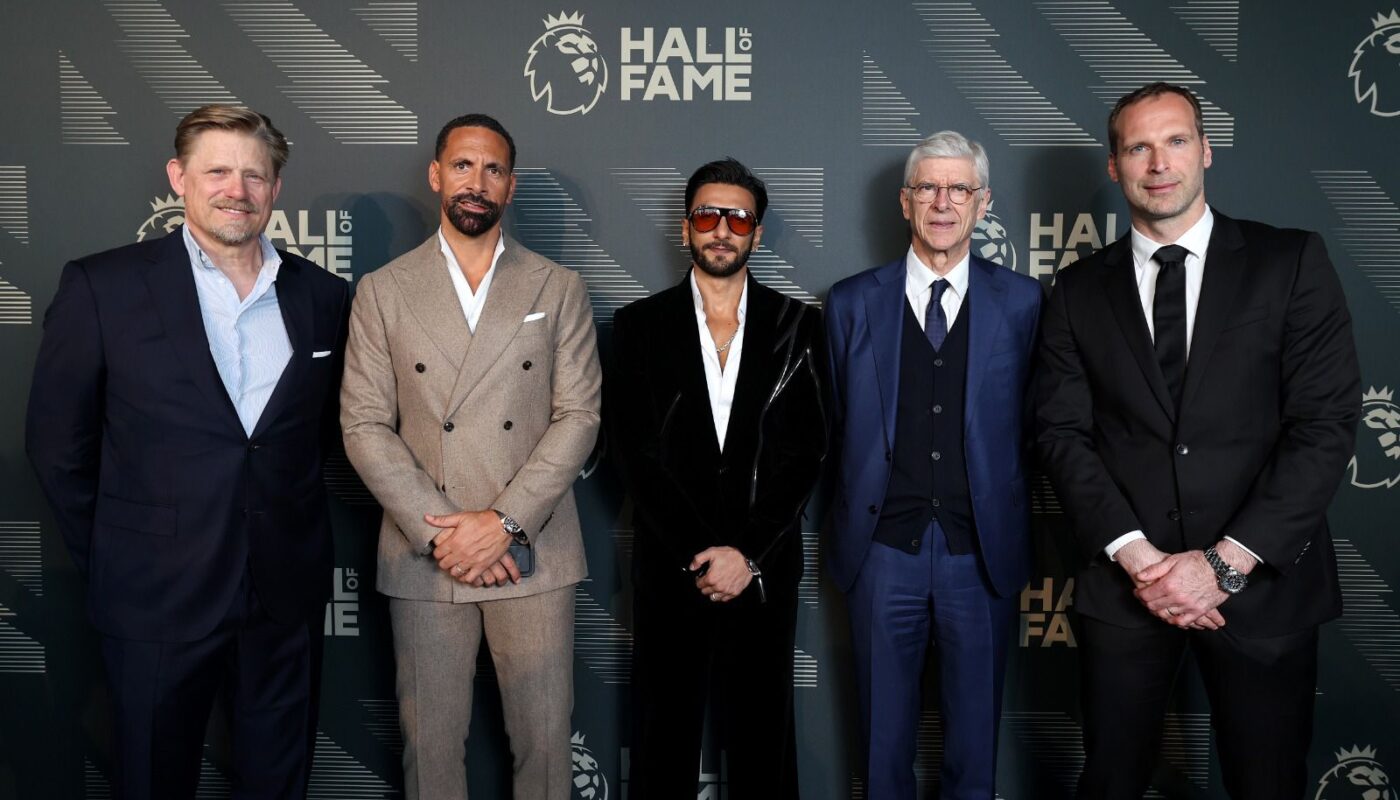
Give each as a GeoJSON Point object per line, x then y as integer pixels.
{"type": "Point", "coordinates": [930, 360]}
{"type": "Point", "coordinates": [181, 395]}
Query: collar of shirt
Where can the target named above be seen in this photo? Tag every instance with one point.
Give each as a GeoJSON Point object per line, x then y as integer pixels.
{"type": "Point", "coordinates": [719, 382]}
{"type": "Point", "coordinates": [271, 264]}
{"type": "Point", "coordinates": [1196, 240]}
{"type": "Point", "coordinates": [918, 286]}
{"type": "Point", "coordinates": [471, 302]}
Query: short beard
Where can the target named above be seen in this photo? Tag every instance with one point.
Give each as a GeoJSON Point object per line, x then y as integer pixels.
{"type": "Point", "coordinates": [714, 268]}
{"type": "Point", "coordinates": [471, 223]}
{"type": "Point", "coordinates": [233, 236]}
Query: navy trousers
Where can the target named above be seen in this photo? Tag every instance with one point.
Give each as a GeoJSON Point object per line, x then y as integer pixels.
{"type": "Point", "coordinates": [165, 691]}
{"type": "Point", "coordinates": [899, 603]}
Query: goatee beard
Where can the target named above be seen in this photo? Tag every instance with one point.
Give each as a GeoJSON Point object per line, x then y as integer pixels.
{"type": "Point", "coordinates": [471, 223]}
{"type": "Point", "coordinates": [715, 269]}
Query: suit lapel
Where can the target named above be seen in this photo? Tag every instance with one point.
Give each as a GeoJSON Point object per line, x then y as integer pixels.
{"type": "Point", "coordinates": [1120, 285]}
{"type": "Point", "coordinates": [176, 301]}
{"type": "Point", "coordinates": [690, 367]}
{"type": "Point", "coordinates": [430, 294]}
{"type": "Point", "coordinates": [1225, 267]}
{"type": "Point", "coordinates": [986, 294]}
{"type": "Point", "coordinates": [751, 389]}
{"type": "Point", "coordinates": [514, 288]}
{"type": "Point", "coordinates": [884, 314]}
{"type": "Point", "coordinates": [298, 316]}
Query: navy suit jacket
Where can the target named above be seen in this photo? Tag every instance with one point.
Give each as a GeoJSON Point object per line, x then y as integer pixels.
{"type": "Point", "coordinates": [162, 498]}
{"type": "Point", "coordinates": [864, 316]}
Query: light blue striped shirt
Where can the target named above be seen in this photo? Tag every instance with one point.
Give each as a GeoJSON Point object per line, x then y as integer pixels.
{"type": "Point", "coordinates": [247, 337]}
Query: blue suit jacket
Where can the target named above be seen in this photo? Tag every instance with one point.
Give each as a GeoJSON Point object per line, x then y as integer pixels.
{"type": "Point", "coordinates": [864, 316]}
{"type": "Point", "coordinates": [163, 499]}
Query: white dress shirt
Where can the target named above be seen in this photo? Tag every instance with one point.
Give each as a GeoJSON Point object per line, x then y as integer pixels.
{"type": "Point", "coordinates": [472, 302]}
{"type": "Point", "coordinates": [918, 287]}
{"type": "Point", "coordinates": [1196, 240]}
{"type": "Point", "coordinates": [719, 381]}
{"type": "Point", "coordinates": [247, 337]}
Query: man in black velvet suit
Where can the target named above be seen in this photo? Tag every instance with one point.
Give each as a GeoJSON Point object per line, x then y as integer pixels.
{"type": "Point", "coordinates": [1198, 403]}
{"type": "Point", "coordinates": [714, 406]}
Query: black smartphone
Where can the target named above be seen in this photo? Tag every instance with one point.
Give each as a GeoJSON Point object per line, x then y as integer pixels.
{"type": "Point", "coordinates": [524, 555]}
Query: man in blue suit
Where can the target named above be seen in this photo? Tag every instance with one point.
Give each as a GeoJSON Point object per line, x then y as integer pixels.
{"type": "Point", "coordinates": [181, 395]}
{"type": "Point", "coordinates": [930, 361]}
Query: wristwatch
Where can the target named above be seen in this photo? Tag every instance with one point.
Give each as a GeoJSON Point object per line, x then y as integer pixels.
{"type": "Point", "coordinates": [757, 579]}
{"type": "Point", "coordinates": [513, 529]}
{"type": "Point", "coordinates": [1229, 579]}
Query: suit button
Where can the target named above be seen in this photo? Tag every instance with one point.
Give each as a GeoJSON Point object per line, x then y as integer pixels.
{"type": "Point", "coordinates": [938, 362]}
{"type": "Point", "coordinates": [419, 366]}
{"type": "Point", "coordinates": [913, 544]}
{"type": "Point", "coordinates": [873, 510]}
{"type": "Point", "coordinates": [722, 470]}
{"type": "Point", "coordinates": [1174, 515]}
{"type": "Point", "coordinates": [252, 447]}
{"type": "Point", "coordinates": [937, 503]}
{"type": "Point", "coordinates": [1182, 449]}
{"type": "Point", "coordinates": [448, 426]}
{"type": "Point", "coordinates": [937, 409]}
{"type": "Point", "coordinates": [526, 365]}
{"type": "Point", "coordinates": [508, 425]}
{"type": "Point", "coordinates": [936, 455]}
{"type": "Point", "coordinates": [887, 455]}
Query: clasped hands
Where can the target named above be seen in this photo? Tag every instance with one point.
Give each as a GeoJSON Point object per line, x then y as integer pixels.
{"type": "Point", "coordinates": [1179, 588]}
{"type": "Point", "coordinates": [727, 575]}
{"type": "Point", "coordinates": [473, 548]}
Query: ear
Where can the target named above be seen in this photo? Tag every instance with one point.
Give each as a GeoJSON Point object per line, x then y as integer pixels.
{"type": "Point", "coordinates": [276, 188]}
{"type": "Point", "coordinates": [510, 190]}
{"type": "Point", "coordinates": [985, 204]}
{"type": "Point", "coordinates": [757, 235]}
{"type": "Point", "coordinates": [434, 179]}
{"type": "Point", "coordinates": [685, 232]}
{"type": "Point", "coordinates": [1205, 156]}
{"type": "Point", "coordinates": [1112, 168]}
{"type": "Point", "coordinates": [905, 199]}
{"type": "Point", "coordinates": [175, 171]}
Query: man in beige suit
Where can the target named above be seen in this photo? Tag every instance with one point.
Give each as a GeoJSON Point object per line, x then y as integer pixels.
{"type": "Point", "coordinates": [469, 403]}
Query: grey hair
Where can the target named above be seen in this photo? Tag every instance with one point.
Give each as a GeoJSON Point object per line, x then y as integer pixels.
{"type": "Point", "coordinates": [947, 144]}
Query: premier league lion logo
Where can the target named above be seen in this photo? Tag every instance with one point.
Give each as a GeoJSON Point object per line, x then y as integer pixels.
{"type": "Point", "coordinates": [1357, 776]}
{"type": "Point", "coordinates": [589, 782]}
{"type": "Point", "coordinates": [990, 240]}
{"type": "Point", "coordinates": [1377, 461]}
{"type": "Point", "coordinates": [564, 66]}
{"type": "Point", "coordinates": [1376, 66]}
{"type": "Point", "coordinates": [167, 214]}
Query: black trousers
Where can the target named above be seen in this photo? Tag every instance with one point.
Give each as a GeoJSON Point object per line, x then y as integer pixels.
{"type": "Point", "coordinates": [689, 651]}
{"type": "Point", "coordinates": [165, 691]}
{"type": "Point", "coordinates": [1261, 694]}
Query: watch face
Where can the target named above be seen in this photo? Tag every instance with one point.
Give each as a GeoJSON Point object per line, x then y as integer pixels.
{"type": "Point", "coordinates": [1232, 582]}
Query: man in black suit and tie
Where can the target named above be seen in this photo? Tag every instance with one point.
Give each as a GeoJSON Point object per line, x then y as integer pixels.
{"type": "Point", "coordinates": [181, 396]}
{"type": "Point", "coordinates": [1197, 406]}
{"type": "Point", "coordinates": [715, 411]}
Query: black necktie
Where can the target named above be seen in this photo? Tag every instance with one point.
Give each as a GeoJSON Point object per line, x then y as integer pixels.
{"type": "Point", "coordinates": [1169, 317]}
{"type": "Point", "coordinates": [935, 321]}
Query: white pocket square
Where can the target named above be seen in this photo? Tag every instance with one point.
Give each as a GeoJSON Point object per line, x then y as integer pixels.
{"type": "Point", "coordinates": [534, 316]}
{"type": "Point", "coordinates": [320, 353]}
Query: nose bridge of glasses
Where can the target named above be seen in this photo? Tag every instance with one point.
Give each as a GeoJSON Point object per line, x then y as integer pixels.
{"type": "Point", "coordinates": [707, 218]}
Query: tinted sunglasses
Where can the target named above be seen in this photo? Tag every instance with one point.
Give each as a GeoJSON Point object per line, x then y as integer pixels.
{"type": "Point", "coordinates": [706, 219]}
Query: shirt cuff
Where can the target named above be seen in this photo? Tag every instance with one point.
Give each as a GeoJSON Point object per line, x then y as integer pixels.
{"type": "Point", "coordinates": [1257, 559]}
{"type": "Point", "coordinates": [1117, 544]}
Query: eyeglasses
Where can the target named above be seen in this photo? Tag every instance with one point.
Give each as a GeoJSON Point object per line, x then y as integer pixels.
{"type": "Point", "coordinates": [706, 218]}
{"type": "Point", "coordinates": [958, 193]}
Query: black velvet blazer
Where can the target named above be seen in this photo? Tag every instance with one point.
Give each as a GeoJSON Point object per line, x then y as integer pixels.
{"type": "Point", "coordinates": [688, 495]}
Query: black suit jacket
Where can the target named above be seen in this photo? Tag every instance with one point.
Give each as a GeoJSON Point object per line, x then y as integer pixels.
{"type": "Point", "coordinates": [1266, 425]}
{"type": "Point", "coordinates": [687, 495]}
{"type": "Point", "coordinates": [163, 499]}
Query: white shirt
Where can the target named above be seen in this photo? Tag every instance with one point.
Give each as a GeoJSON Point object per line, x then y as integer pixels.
{"type": "Point", "coordinates": [1196, 240]}
{"type": "Point", "coordinates": [472, 302]}
{"type": "Point", "coordinates": [918, 287]}
{"type": "Point", "coordinates": [720, 382]}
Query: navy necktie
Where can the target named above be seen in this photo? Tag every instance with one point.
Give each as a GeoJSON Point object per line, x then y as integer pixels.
{"type": "Point", "coordinates": [1169, 317]}
{"type": "Point", "coordinates": [935, 321]}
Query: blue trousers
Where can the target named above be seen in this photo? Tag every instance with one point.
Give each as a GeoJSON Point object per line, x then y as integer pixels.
{"type": "Point", "coordinates": [897, 603]}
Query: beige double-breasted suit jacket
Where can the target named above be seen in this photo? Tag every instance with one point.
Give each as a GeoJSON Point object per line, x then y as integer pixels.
{"type": "Point", "coordinates": [439, 420]}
